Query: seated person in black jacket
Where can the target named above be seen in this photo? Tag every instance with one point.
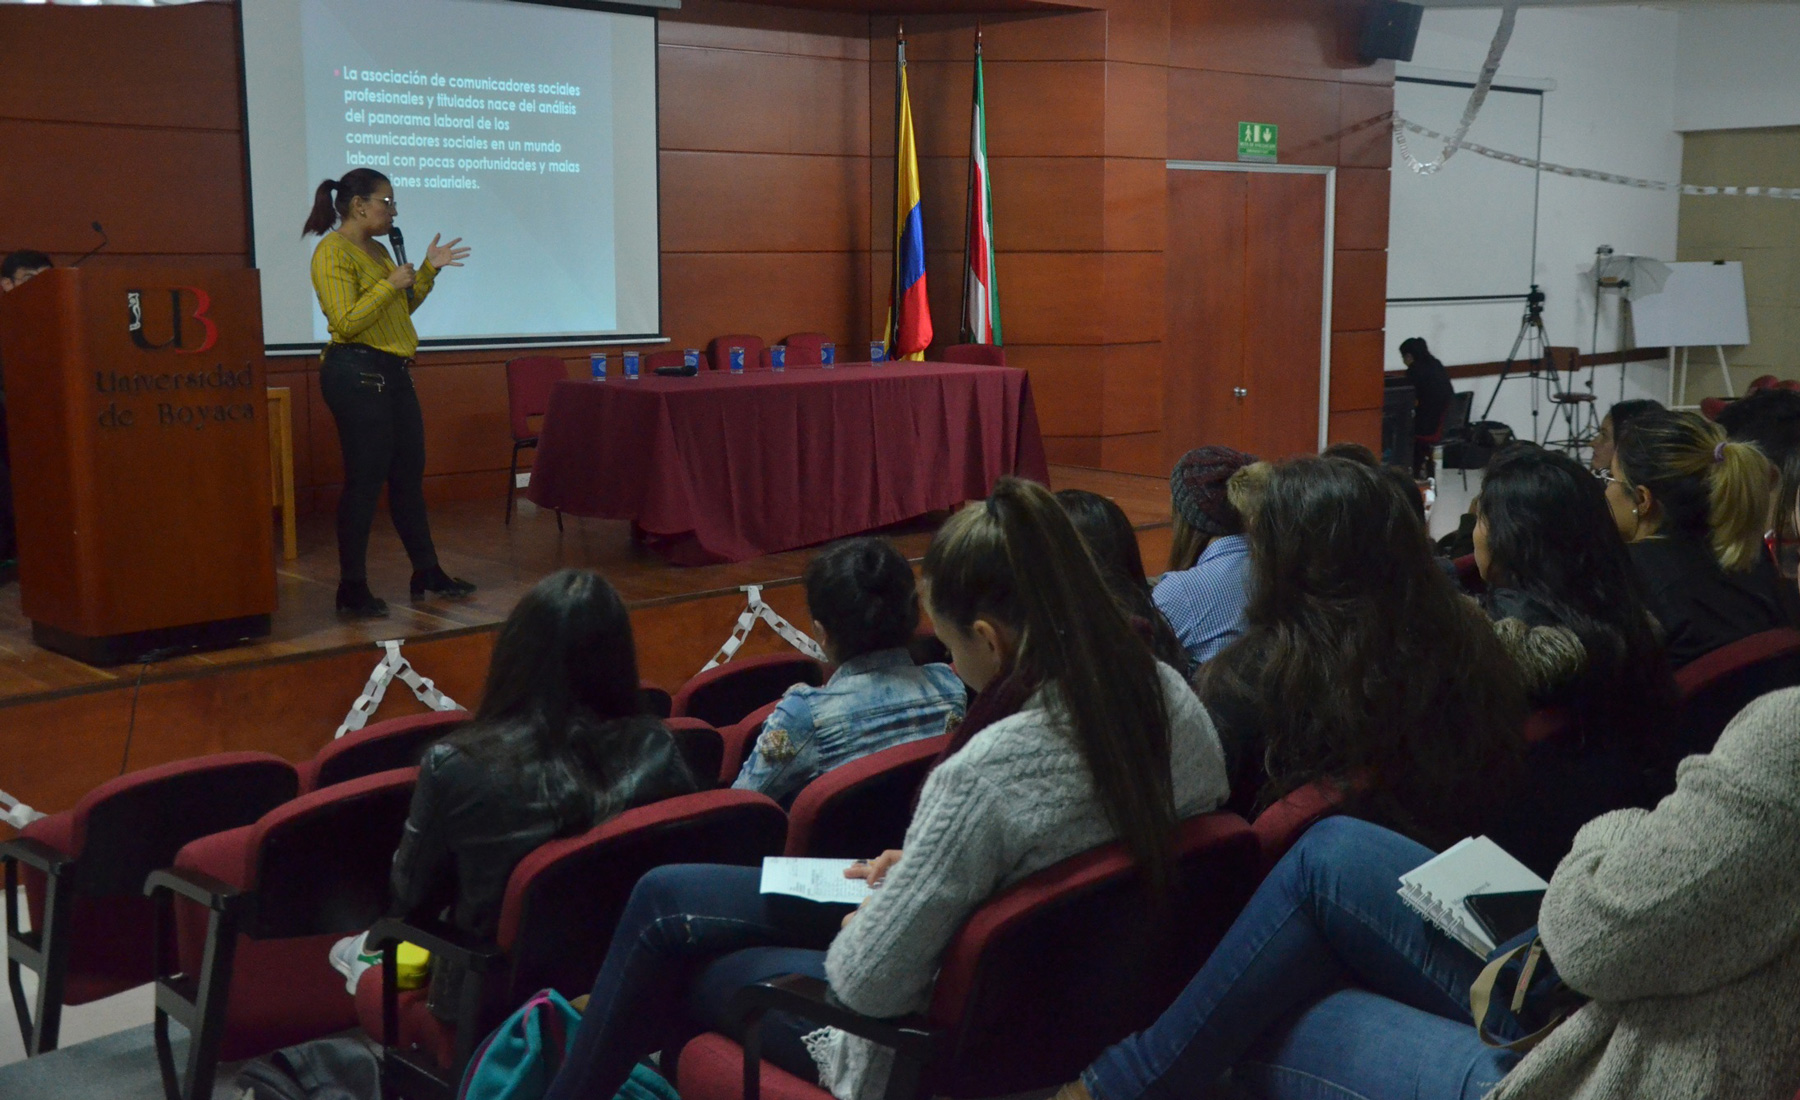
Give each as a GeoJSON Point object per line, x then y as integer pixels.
{"type": "Point", "coordinates": [1568, 608]}
{"type": "Point", "coordinates": [1432, 394]}
{"type": "Point", "coordinates": [559, 744]}
{"type": "Point", "coordinates": [1693, 506]}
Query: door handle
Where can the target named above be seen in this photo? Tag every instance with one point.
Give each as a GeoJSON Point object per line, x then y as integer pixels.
{"type": "Point", "coordinates": [1239, 392]}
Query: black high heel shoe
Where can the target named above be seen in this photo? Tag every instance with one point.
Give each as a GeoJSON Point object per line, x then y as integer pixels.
{"type": "Point", "coordinates": [438, 583]}
{"type": "Point", "coordinates": [355, 601]}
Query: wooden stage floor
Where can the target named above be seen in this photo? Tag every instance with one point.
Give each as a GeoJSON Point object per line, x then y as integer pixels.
{"type": "Point", "coordinates": [65, 726]}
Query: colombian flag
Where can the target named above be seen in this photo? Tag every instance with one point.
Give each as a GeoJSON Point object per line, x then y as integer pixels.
{"type": "Point", "coordinates": [909, 311]}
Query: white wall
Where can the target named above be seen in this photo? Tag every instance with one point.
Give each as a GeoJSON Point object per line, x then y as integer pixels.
{"type": "Point", "coordinates": [1612, 109]}
{"type": "Point", "coordinates": [1735, 67]}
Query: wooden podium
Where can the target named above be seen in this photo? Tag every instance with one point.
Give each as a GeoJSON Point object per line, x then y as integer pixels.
{"type": "Point", "coordinates": [140, 459]}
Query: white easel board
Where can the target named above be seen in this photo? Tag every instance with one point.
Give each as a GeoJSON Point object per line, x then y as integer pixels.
{"type": "Point", "coordinates": [1701, 305]}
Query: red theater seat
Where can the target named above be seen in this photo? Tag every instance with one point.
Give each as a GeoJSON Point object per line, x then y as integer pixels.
{"type": "Point", "coordinates": [85, 870]}
{"type": "Point", "coordinates": [529, 380]}
{"type": "Point", "coordinates": [655, 359]}
{"type": "Point", "coordinates": [702, 748]}
{"type": "Point", "coordinates": [739, 738]}
{"type": "Point", "coordinates": [986, 355]}
{"type": "Point", "coordinates": [718, 351]}
{"type": "Point", "coordinates": [556, 923]}
{"type": "Point", "coordinates": [861, 809]}
{"type": "Point", "coordinates": [806, 348]}
{"type": "Point", "coordinates": [378, 747]}
{"type": "Point", "coordinates": [259, 908]}
{"type": "Point", "coordinates": [1036, 983]}
{"type": "Point", "coordinates": [1279, 826]}
{"type": "Point", "coordinates": [726, 695]}
{"type": "Point", "coordinates": [1715, 687]}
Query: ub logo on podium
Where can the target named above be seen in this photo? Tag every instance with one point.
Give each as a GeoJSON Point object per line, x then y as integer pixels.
{"type": "Point", "coordinates": [134, 303]}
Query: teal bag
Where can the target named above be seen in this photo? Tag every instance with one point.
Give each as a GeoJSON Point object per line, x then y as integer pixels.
{"type": "Point", "coordinates": [520, 1059]}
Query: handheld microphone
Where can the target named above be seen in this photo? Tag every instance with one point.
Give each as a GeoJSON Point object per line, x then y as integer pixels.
{"type": "Point", "coordinates": [104, 241]}
{"type": "Point", "coordinates": [398, 240]}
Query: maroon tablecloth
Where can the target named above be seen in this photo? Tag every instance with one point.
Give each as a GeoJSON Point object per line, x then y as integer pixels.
{"type": "Point", "coordinates": [735, 466]}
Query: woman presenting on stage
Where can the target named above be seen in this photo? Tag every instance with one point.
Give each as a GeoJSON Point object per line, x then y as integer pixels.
{"type": "Point", "coordinates": [366, 377]}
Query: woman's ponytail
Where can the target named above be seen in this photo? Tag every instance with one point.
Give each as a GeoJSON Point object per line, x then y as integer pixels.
{"type": "Point", "coordinates": [1740, 482]}
{"type": "Point", "coordinates": [324, 210]}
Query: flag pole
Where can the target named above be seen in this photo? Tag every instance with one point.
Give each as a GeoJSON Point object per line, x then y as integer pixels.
{"type": "Point", "coordinates": [969, 213]}
{"type": "Point", "coordinates": [892, 335]}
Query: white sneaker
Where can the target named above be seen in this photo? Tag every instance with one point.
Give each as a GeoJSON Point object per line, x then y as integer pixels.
{"type": "Point", "coordinates": [349, 959]}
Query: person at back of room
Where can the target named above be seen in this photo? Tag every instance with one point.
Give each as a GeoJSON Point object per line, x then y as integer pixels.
{"type": "Point", "coordinates": [1606, 439]}
{"type": "Point", "coordinates": [16, 269]}
{"type": "Point", "coordinates": [1204, 592]}
{"type": "Point", "coordinates": [1078, 737]}
{"type": "Point", "coordinates": [1113, 542]}
{"type": "Point", "coordinates": [865, 608]}
{"type": "Point", "coordinates": [1567, 606]}
{"type": "Point", "coordinates": [1769, 420]}
{"type": "Point", "coordinates": [1362, 665]}
{"type": "Point", "coordinates": [1692, 506]}
{"type": "Point", "coordinates": [560, 743]}
{"type": "Point", "coordinates": [1432, 394]}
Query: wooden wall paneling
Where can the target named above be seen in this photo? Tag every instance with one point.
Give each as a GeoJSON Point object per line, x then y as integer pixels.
{"type": "Point", "coordinates": [767, 293]}
{"type": "Point", "coordinates": [1038, 109]}
{"type": "Point", "coordinates": [1138, 30]}
{"type": "Point", "coordinates": [1058, 298]}
{"type": "Point", "coordinates": [1137, 110]}
{"type": "Point", "coordinates": [145, 185]}
{"type": "Point", "coordinates": [742, 202]}
{"type": "Point", "coordinates": [1283, 315]}
{"type": "Point", "coordinates": [129, 68]}
{"type": "Point", "coordinates": [1365, 124]}
{"type": "Point", "coordinates": [737, 100]}
{"type": "Point", "coordinates": [766, 29]}
{"type": "Point", "coordinates": [1312, 39]}
{"type": "Point", "coordinates": [1139, 453]}
{"type": "Point", "coordinates": [1078, 450]}
{"type": "Point", "coordinates": [1205, 108]}
{"type": "Point", "coordinates": [1047, 204]}
{"type": "Point", "coordinates": [943, 283]}
{"type": "Point", "coordinates": [1356, 370]}
{"type": "Point", "coordinates": [1136, 217]}
{"type": "Point", "coordinates": [1358, 290]}
{"type": "Point", "coordinates": [1203, 348]}
{"type": "Point", "coordinates": [1006, 36]}
{"type": "Point", "coordinates": [1357, 426]}
{"type": "Point", "coordinates": [1132, 397]}
{"type": "Point", "coordinates": [1134, 310]}
{"type": "Point", "coordinates": [469, 417]}
{"type": "Point", "coordinates": [300, 406]}
{"type": "Point", "coordinates": [1362, 208]}
{"type": "Point", "coordinates": [1067, 386]}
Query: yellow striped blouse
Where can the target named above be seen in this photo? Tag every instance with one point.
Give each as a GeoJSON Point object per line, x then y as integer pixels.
{"type": "Point", "coordinates": [361, 306]}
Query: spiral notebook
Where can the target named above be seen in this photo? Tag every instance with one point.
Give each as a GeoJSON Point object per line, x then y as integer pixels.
{"type": "Point", "coordinates": [1436, 889]}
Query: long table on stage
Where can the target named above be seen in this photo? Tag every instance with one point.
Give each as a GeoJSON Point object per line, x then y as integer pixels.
{"type": "Point", "coordinates": [723, 467]}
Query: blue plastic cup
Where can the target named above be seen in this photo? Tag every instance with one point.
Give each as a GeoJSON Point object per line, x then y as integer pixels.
{"type": "Point", "coordinates": [691, 358]}
{"type": "Point", "coordinates": [597, 366]}
{"type": "Point", "coordinates": [877, 351]}
{"type": "Point", "coordinates": [737, 359]}
{"type": "Point", "coordinates": [778, 358]}
{"type": "Point", "coordinates": [631, 366]}
{"type": "Point", "coordinates": [827, 354]}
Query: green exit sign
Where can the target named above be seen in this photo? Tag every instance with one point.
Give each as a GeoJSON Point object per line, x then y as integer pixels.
{"type": "Point", "coordinates": [1256, 141]}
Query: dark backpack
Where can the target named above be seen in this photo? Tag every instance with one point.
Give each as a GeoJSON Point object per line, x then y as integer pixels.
{"type": "Point", "coordinates": [345, 1068]}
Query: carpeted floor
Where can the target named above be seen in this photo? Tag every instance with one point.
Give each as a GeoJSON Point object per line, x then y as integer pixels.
{"type": "Point", "coordinates": [121, 1066]}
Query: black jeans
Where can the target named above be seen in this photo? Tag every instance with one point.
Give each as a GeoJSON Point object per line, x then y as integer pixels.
{"type": "Point", "coordinates": [370, 394]}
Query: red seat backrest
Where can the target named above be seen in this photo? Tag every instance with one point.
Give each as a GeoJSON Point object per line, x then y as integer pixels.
{"type": "Point", "coordinates": [860, 809]}
{"type": "Point", "coordinates": [725, 695]}
{"type": "Point", "coordinates": [739, 738]}
{"type": "Point", "coordinates": [718, 351]}
{"type": "Point", "coordinates": [529, 380]}
{"type": "Point", "coordinates": [1715, 687]}
{"type": "Point", "coordinates": [563, 899]}
{"type": "Point", "coordinates": [701, 747]}
{"type": "Point", "coordinates": [804, 348]}
{"type": "Point", "coordinates": [1043, 977]}
{"type": "Point", "coordinates": [662, 359]}
{"type": "Point", "coordinates": [986, 355]}
{"type": "Point", "coordinates": [379, 747]}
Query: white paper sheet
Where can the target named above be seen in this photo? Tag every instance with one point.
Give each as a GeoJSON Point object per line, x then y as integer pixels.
{"type": "Point", "coordinates": [813, 879]}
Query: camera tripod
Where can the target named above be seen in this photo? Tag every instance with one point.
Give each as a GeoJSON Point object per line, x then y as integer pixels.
{"type": "Point", "coordinates": [1577, 408]}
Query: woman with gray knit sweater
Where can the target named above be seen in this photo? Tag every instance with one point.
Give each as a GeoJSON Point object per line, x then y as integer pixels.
{"type": "Point", "coordinates": [1079, 736]}
{"type": "Point", "coordinates": [1680, 924]}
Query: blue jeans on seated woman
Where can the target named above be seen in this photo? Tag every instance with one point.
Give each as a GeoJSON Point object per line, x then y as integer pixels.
{"type": "Point", "coordinates": [1327, 986]}
{"type": "Point", "coordinates": [690, 937]}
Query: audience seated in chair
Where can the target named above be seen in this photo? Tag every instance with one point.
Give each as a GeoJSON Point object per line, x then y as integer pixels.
{"type": "Point", "coordinates": [1113, 542]}
{"type": "Point", "coordinates": [1606, 439]}
{"type": "Point", "coordinates": [1363, 663]}
{"type": "Point", "coordinates": [1567, 606]}
{"type": "Point", "coordinates": [865, 609]}
{"type": "Point", "coordinates": [1204, 592]}
{"type": "Point", "coordinates": [1681, 924]}
{"type": "Point", "coordinates": [558, 745]}
{"type": "Point", "coordinates": [1079, 735]}
{"type": "Point", "coordinates": [1693, 506]}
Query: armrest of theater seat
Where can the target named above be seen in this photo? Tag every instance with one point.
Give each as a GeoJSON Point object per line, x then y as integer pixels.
{"type": "Point", "coordinates": [201, 889]}
{"type": "Point", "coordinates": [810, 999]}
{"type": "Point", "coordinates": [33, 853]}
{"type": "Point", "coordinates": [472, 953]}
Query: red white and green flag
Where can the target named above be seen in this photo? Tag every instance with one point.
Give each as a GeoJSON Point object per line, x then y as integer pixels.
{"type": "Point", "coordinates": [981, 291]}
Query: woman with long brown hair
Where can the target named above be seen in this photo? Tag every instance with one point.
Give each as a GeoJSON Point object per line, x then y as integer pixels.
{"type": "Point", "coordinates": [1362, 665]}
{"type": "Point", "coordinates": [1079, 737]}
